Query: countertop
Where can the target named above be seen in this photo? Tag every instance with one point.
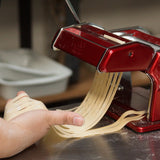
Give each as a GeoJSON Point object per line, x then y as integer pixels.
{"type": "Point", "coordinates": [122, 145]}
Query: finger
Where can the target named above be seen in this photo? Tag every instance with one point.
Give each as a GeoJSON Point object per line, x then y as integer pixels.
{"type": "Point", "coordinates": [21, 92]}
{"type": "Point", "coordinates": [60, 117]}
{"type": "Point", "coordinates": [20, 96]}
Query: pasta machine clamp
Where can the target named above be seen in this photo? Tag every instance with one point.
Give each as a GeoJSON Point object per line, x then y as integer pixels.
{"type": "Point", "coordinates": [122, 50]}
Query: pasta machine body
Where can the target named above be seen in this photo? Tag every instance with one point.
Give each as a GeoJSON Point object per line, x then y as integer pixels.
{"type": "Point", "coordinates": [121, 50]}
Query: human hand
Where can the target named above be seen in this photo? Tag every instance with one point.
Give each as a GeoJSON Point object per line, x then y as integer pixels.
{"type": "Point", "coordinates": [33, 122]}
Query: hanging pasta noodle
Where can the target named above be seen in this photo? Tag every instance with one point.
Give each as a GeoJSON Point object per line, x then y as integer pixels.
{"type": "Point", "coordinates": [95, 105]}
{"type": "Point", "coordinates": [93, 108]}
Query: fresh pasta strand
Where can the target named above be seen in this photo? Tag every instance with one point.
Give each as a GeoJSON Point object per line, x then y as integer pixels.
{"type": "Point", "coordinates": [91, 108]}
{"type": "Point", "coordinates": [95, 105]}
{"type": "Point", "coordinates": [116, 126]}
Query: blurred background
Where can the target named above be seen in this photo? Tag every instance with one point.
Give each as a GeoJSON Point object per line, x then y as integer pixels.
{"type": "Point", "coordinates": [48, 15]}
{"type": "Point", "coordinates": [32, 24]}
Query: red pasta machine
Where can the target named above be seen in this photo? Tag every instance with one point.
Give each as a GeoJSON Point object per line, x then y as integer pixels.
{"type": "Point", "coordinates": [122, 50]}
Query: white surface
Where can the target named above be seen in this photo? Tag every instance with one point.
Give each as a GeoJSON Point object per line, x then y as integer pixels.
{"type": "Point", "coordinates": [35, 87]}
{"type": "Point", "coordinates": [26, 61]}
{"type": "Point", "coordinates": [36, 74]}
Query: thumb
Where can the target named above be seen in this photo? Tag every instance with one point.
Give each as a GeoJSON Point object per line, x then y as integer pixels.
{"type": "Point", "coordinates": [60, 117]}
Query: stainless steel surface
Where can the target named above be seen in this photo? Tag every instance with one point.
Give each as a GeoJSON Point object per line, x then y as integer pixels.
{"type": "Point", "coordinates": [73, 11]}
{"type": "Point", "coordinates": [134, 39]}
{"type": "Point", "coordinates": [123, 145]}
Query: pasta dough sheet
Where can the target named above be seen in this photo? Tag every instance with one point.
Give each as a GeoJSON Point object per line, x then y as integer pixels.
{"type": "Point", "coordinates": [20, 105]}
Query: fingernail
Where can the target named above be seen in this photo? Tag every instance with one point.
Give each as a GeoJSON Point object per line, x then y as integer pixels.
{"type": "Point", "coordinates": [78, 121]}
